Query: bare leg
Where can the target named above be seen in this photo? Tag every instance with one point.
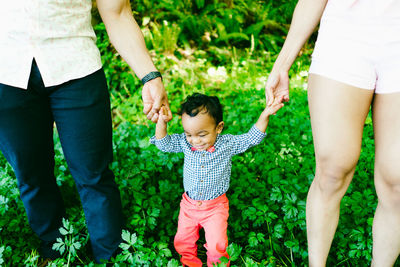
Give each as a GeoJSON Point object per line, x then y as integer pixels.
{"type": "Point", "coordinates": [386, 227]}
{"type": "Point", "coordinates": [338, 112]}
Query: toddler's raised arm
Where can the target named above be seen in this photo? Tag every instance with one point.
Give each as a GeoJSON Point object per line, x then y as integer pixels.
{"type": "Point", "coordinates": [161, 126]}
{"type": "Point", "coordinates": [163, 141]}
{"type": "Point", "coordinates": [263, 120]}
{"type": "Point", "coordinates": [240, 143]}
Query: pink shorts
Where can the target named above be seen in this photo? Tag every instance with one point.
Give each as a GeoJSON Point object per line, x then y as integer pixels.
{"type": "Point", "coordinates": [359, 50]}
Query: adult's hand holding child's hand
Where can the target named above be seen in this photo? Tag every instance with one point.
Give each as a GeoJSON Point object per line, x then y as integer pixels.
{"type": "Point", "coordinates": [154, 97]}
{"type": "Point", "coordinates": [277, 87]}
{"type": "Point", "coordinates": [275, 106]}
{"type": "Point", "coordinates": [164, 115]}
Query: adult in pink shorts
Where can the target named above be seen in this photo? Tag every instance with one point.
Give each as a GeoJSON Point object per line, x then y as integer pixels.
{"type": "Point", "coordinates": [355, 65]}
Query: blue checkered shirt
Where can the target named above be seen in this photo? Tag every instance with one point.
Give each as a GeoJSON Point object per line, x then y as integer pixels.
{"type": "Point", "coordinates": [206, 174]}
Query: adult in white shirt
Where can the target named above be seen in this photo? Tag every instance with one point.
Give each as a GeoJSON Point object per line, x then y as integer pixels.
{"type": "Point", "coordinates": [50, 71]}
{"type": "Point", "coordinates": [355, 64]}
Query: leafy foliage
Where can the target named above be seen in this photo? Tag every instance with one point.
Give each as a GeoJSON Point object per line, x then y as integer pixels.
{"type": "Point", "coordinates": [212, 22]}
{"type": "Point", "coordinates": [224, 48]}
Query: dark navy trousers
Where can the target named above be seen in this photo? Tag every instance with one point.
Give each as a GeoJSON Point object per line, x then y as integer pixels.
{"type": "Point", "coordinates": [81, 111]}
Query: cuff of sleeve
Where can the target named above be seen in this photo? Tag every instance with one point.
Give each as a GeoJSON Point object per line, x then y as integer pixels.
{"type": "Point", "coordinates": [160, 142]}
{"type": "Point", "coordinates": [257, 134]}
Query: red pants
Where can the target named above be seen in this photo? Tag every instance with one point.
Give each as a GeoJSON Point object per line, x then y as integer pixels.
{"type": "Point", "coordinates": [212, 215]}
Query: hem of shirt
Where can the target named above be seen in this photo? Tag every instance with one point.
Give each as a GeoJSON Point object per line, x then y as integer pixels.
{"type": "Point", "coordinates": [73, 77]}
{"type": "Point", "coordinates": [21, 86]}
{"type": "Point", "coordinates": [187, 193]}
{"type": "Point", "coordinates": [24, 86]}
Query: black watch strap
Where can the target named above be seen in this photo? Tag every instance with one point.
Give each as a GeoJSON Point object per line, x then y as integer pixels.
{"type": "Point", "coordinates": [152, 75]}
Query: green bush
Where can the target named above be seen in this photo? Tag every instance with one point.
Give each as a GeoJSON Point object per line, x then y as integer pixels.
{"type": "Point", "coordinates": [205, 22]}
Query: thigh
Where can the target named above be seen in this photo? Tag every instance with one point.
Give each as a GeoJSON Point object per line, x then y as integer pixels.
{"type": "Point", "coordinates": [188, 225]}
{"type": "Point", "coordinates": [187, 233]}
{"type": "Point", "coordinates": [338, 113]}
{"type": "Point", "coordinates": [386, 119]}
{"type": "Point", "coordinates": [81, 109]}
{"type": "Point", "coordinates": [215, 227]}
{"type": "Point", "coordinates": [26, 133]}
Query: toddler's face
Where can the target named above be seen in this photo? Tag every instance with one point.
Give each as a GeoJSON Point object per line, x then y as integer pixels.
{"type": "Point", "coordinates": [201, 130]}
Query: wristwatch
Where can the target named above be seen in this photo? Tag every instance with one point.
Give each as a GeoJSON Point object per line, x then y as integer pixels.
{"type": "Point", "coordinates": [151, 76]}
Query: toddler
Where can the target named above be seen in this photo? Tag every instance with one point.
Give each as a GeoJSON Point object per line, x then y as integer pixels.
{"type": "Point", "coordinates": [207, 169]}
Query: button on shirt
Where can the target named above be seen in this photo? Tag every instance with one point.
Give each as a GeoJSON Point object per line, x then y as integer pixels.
{"type": "Point", "coordinates": [58, 34]}
{"type": "Point", "coordinates": [206, 174]}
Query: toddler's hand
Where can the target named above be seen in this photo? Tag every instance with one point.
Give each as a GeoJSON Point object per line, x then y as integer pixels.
{"type": "Point", "coordinates": [164, 115]}
{"type": "Point", "coordinates": [272, 109]}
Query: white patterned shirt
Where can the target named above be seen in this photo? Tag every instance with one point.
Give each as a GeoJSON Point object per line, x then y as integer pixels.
{"type": "Point", "coordinates": [57, 33]}
{"type": "Point", "coordinates": [206, 174]}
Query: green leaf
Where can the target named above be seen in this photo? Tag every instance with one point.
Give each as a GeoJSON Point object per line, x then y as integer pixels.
{"type": "Point", "coordinates": [63, 231]}
{"type": "Point", "coordinates": [234, 251]}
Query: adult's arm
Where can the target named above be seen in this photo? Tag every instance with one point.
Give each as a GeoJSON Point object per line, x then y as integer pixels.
{"type": "Point", "coordinates": [306, 17]}
{"type": "Point", "coordinates": [127, 38]}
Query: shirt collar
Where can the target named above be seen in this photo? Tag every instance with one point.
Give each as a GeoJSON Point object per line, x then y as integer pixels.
{"type": "Point", "coordinates": [212, 148]}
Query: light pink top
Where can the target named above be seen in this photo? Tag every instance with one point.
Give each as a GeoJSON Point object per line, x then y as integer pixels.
{"type": "Point", "coordinates": [57, 33]}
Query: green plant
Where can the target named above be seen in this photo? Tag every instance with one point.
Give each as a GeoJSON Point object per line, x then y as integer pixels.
{"type": "Point", "coordinates": [71, 242]}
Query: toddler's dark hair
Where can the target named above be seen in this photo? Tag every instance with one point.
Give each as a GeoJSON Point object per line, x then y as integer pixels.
{"type": "Point", "coordinates": [198, 102]}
